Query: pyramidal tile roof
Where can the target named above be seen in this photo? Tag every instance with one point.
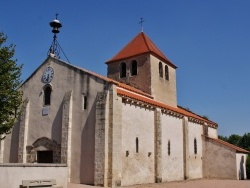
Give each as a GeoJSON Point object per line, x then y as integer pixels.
{"type": "Point", "coordinates": [141, 44]}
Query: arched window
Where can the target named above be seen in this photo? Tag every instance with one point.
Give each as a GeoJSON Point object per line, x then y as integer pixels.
{"type": "Point", "coordinates": [123, 70]}
{"type": "Point", "coordinates": [166, 73]}
{"type": "Point", "coordinates": [133, 68]}
{"type": "Point", "coordinates": [195, 146]}
{"type": "Point", "coordinates": [160, 70]}
{"type": "Point", "coordinates": [47, 94]}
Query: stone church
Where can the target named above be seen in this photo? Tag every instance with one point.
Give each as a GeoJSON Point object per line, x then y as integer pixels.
{"type": "Point", "coordinates": [123, 129]}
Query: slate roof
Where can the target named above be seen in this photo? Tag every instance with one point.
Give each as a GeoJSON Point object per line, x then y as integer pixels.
{"type": "Point", "coordinates": [141, 44]}
{"type": "Point", "coordinates": [236, 148]}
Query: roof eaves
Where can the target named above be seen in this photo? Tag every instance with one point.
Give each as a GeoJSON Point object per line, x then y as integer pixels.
{"type": "Point", "coordinates": [164, 106]}
{"type": "Point", "coordinates": [164, 59]}
{"type": "Point", "coordinates": [236, 148]}
{"type": "Point", "coordinates": [121, 59]}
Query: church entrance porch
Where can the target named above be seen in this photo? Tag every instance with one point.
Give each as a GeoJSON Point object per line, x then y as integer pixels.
{"type": "Point", "coordinates": [44, 150]}
{"type": "Point", "coordinates": [45, 156]}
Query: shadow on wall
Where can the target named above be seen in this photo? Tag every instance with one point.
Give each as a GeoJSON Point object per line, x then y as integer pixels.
{"type": "Point", "coordinates": [13, 158]}
{"type": "Point", "coordinates": [87, 165]}
{"type": "Point", "coordinates": [56, 132]}
{"type": "Point", "coordinates": [242, 170]}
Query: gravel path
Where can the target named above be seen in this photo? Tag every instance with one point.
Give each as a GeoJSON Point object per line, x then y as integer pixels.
{"type": "Point", "coordinates": [203, 183]}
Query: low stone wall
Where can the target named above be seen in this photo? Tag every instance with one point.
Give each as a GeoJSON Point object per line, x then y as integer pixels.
{"type": "Point", "coordinates": [12, 174]}
{"type": "Point", "coordinates": [218, 161]}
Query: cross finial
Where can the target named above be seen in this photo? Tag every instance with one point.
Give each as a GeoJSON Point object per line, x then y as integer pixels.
{"type": "Point", "coordinates": [142, 20]}
{"type": "Point", "coordinates": [56, 15]}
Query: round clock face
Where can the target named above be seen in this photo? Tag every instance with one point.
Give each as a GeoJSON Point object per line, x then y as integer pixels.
{"type": "Point", "coordinates": [48, 75]}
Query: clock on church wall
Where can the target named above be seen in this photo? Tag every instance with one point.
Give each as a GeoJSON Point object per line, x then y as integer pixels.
{"type": "Point", "coordinates": [48, 75]}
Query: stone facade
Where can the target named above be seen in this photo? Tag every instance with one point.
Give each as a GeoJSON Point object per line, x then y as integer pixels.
{"type": "Point", "coordinates": [100, 138]}
{"type": "Point", "coordinates": [117, 131]}
{"type": "Point", "coordinates": [139, 81]}
{"type": "Point", "coordinates": [158, 146]}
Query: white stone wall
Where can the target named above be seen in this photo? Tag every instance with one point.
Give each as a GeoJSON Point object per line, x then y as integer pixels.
{"type": "Point", "coordinates": [137, 122]}
{"type": "Point", "coordinates": [212, 132]}
{"type": "Point", "coordinates": [13, 174]}
{"type": "Point", "coordinates": [163, 90]}
{"type": "Point", "coordinates": [194, 161]}
{"type": "Point", "coordinates": [172, 165]}
{"type": "Point", "coordinates": [219, 161]}
{"type": "Point", "coordinates": [241, 166]}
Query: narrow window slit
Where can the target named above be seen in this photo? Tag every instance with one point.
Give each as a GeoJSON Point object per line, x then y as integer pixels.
{"type": "Point", "coordinates": [137, 144]}
{"type": "Point", "coordinates": [195, 146]}
{"type": "Point", "coordinates": [169, 147]}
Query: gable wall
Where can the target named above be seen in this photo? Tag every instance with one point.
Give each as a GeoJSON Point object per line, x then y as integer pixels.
{"type": "Point", "coordinates": [66, 78]}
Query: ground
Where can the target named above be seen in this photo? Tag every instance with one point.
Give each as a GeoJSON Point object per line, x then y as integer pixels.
{"type": "Point", "coordinates": [202, 183]}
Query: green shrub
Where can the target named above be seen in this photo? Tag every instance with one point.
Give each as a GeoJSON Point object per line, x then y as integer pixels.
{"type": "Point", "coordinates": [248, 167]}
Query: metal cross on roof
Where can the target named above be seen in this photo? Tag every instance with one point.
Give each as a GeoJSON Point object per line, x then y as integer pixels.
{"type": "Point", "coordinates": [142, 20]}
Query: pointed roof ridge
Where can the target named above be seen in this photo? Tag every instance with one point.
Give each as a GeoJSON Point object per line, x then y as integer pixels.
{"type": "Point", "coordinates": [140, 44]}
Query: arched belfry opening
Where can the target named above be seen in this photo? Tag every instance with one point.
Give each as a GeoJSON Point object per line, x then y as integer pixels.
{"type": "Point", "coordinates": [133, 68]}
{"type": "Point", "coordinates": [123, 70]}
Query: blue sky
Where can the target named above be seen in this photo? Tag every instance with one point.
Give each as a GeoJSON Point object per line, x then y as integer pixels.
{"type": "Point", "coordinates": [208, 40]}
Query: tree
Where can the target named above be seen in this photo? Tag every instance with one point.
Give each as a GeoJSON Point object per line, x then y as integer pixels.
{"type": "Point", "coordinates": [248, 166]}
{"type": "Point", "coordinates": [244, 142]}
{"type": "Point", "coordinates": [10, 81]}
{"type": "Point", "coordinates": [223, 138]}
{"type": "Point", "coordinates": [234, 139]}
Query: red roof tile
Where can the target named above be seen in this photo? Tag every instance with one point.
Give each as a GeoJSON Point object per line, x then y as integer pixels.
{"type": "Point", "coordinates": [236, 148]}
{"type": "Point", "coordinates": [139, 45]}
{"type": "Point", "coordinates": [164, 106]}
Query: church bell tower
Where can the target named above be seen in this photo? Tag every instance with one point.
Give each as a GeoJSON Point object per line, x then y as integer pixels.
{"type": "Point", "coordinates": [142, 65]}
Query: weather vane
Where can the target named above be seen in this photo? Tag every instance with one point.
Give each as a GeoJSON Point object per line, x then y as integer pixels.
{"type": "Point", "coordinates": [141, 22]}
